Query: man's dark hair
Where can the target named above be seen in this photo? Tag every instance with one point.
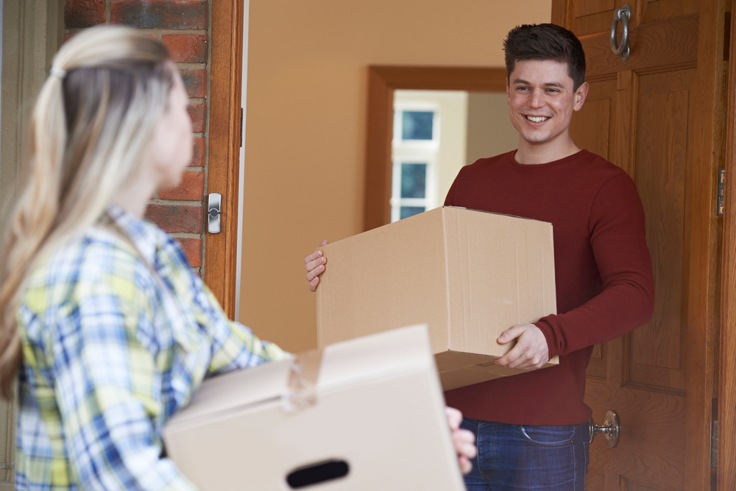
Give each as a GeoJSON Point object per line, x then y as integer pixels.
{"type": "Point", "coordinates": [545, 42]}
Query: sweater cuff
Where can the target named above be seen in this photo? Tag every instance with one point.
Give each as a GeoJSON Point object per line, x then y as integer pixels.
{"type": "Point", "coordinates": [546, 329]}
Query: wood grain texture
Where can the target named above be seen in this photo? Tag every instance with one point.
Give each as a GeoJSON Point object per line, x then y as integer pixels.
{"type": "Point", "coordinates": [667, 115]}
{"type": "Point", "coordinates": [224, 146]}
{"type": "Point", "coordinates": [726, 471]}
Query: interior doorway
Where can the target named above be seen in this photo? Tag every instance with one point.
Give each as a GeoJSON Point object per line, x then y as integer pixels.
{"type": "Point", "coordinates": [30, 33]}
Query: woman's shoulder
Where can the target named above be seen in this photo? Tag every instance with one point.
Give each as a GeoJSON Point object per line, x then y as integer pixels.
{"type": "Point", "coordinates": [93, 263]}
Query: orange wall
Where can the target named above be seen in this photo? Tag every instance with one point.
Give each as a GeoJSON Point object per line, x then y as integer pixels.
{"type": "Point", "coordinates": [305, 127]}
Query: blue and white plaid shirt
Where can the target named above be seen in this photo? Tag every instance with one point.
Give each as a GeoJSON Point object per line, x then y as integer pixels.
{"type": "Point", "coordinates": [110, 352]}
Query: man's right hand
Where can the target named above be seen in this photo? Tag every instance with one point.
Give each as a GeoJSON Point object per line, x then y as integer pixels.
{"type": "Point", "coordinates": [315, 266]}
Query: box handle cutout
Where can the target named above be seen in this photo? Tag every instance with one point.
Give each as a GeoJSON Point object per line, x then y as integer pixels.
{"type": "Point", "coordinates": [317, 473]}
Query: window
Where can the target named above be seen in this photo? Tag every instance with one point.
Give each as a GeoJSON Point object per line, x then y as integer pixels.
{"type": "Point", "coordinates": [417, 125]}
{"type": "Point", "coordinates": [410, 189]}
{"type": "Point", "coordinates": [414, 153]}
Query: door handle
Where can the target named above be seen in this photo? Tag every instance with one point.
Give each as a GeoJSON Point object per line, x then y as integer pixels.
{"type": "Point", "coordinates": [610, 429]}
{"type": "Point", "coordinates": [214, 211]}
{"type": "Point", "coordinates": [621, 15]}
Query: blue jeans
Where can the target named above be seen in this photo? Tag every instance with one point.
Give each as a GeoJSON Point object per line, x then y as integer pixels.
{"type": "Point", "coordinates": [515, 458]}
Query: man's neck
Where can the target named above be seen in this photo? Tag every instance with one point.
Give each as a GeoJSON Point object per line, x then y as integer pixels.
{"type": "Point", "coordinates": [530, 154]}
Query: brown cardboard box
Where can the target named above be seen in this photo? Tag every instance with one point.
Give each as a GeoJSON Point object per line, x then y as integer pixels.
{"type": "Point", "coordinates": [371, 407]}
{"type": "Point", "coordinates": [468, 274]}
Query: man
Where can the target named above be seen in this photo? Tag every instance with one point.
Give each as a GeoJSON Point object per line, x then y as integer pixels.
{"type": "Point", "coordinates": [532, 429]}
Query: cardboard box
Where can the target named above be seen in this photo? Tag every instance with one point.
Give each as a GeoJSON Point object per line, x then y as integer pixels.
{"type": "Point", "coordinates": [468, 274]}
{"type": "Point", "coordinates": [364, 414]}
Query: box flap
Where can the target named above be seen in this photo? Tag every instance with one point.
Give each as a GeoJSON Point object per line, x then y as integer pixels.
{"type": "Point", "coordinates": [376, 355]}
{"type": "Point", "coordinates": [458, 369]}
{"type": "Point", "coordinates": [347, 362]}
{"type": "Point", "coordinates": [492, 261]}
{"type": "Point", "coordinates": [215, 395]}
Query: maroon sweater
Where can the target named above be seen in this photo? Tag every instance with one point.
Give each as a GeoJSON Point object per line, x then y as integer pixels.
{"type": "Point", "coordinates": [603, 276]}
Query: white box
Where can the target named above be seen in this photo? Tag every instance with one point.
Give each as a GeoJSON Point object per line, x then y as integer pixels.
{"type": "Point", "coordinates": [371, 406]}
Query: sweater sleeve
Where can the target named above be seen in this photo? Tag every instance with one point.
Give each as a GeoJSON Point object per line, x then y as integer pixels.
{"type": "Point", "coordinates": [626, 299]}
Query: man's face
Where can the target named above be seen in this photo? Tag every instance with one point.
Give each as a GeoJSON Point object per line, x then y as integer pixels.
{"type": "Point", "coordinates": [542, 100]}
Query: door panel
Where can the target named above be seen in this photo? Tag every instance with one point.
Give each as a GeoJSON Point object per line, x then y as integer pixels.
{"type": "Point", "coordinates": [585, 17]}
{"type": "Point", "coordinates": [654, 351]}
{"type": "Point", "coordinates": [596, 125]}
{"type": "Point", "coordinates": [657, 116]}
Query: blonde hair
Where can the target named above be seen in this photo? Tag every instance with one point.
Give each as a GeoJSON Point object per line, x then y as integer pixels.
{"type": "Point", "coordinates": [93, 118]}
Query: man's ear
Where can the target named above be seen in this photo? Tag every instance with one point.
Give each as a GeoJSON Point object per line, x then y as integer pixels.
{"type": "Point", "coordinates": [580, 95]}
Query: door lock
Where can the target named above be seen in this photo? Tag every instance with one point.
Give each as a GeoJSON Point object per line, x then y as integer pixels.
{"type": "Point", "coordinates": [214, 205]}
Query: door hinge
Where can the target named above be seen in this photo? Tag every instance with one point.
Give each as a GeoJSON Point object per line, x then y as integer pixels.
{"type": "Point", "coordinates": [714, 444]}
{"type": "Point", "coordinates": [242, 130]}
{"type": "Point", "coordinates": [721, 195]}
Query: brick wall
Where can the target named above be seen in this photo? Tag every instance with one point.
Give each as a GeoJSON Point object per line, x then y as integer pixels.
{"type": "Point", "coordinates": [183, 26]}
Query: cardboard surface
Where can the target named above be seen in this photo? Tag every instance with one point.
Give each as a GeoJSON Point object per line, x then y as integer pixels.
{"type": "Point", "coordinates": [468, 274]}
{"type": "Point", "coordinates": [371, 407]}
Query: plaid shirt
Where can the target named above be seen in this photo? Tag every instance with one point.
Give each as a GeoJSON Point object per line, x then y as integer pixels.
{"type": "Point", "coordinates": [110, 352]}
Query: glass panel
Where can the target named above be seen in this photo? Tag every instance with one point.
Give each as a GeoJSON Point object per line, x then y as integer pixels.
{"type": "Point", "coordinates": [413, 180]}
{"type": "Point", "coordinates": [417, 125]}
{"type": "Point", "coordinates": [407, 211]}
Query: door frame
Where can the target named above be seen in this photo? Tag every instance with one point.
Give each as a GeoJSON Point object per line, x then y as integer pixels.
{"type": "Point", "coordinates": [383, 80]}
{"type": "Point", "coordinates": [726, 456]}
{"type": "Point", "coordinates": [223, 154]}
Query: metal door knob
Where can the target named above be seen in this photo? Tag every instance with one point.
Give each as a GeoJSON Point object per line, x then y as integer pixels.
{"type": "Point", "coordinates": [610, 429]}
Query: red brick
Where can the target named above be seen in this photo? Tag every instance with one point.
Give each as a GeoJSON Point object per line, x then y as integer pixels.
{"type": "Point", "coordinates": [198, 113]}
{"type": "Point", "coordinates": [191, 188]}
{"type": "Point", "coordinates": [198, 153]}
{"type": "Point", "coordinates": [187, 48]}
{"type": "Point", "coordinates": [79, 14]}
{"type": "Point", "coordinates": [193, 251]}
{"type": "Point", "coordinates": [176, 218]}
{"type": "Point", "coordinates": [160, 14]}
{"type": "Point", "coordinates": [195, 80]}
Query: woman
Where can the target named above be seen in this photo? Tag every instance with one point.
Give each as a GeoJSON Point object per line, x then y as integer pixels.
{"type": "Point", "coordinates": [105, 328]}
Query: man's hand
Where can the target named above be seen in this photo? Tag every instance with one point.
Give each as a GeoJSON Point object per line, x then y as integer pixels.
{"type": "Point", "coordinates": [531, 350]}
{"type": "Point", "coordinates": [314, 263]}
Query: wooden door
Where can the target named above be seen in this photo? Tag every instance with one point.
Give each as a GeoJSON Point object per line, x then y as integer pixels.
{"type": "Point", "coordinates": [659, 115]}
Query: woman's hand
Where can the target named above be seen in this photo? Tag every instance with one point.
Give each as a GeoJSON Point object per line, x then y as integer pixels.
{"type": "Point", "coordinates": [463, 440]}
{"type": "Point", "coordinates": [315, 263]}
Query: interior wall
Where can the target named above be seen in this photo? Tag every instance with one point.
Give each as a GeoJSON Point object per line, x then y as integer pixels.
{"type": "Point", "coordinates": [305, 130]}
{"type": "Point", "coordinates": [490, 131]}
